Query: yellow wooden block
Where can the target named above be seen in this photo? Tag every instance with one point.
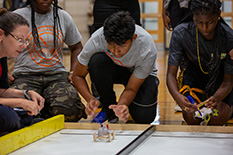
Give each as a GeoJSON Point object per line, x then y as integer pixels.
{"type": "Point", "coordinates": [27, 135]}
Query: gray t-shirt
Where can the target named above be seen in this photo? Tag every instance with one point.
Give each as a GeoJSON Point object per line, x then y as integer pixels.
{"type": "Point", "coordinates": [34, 60]}
{"type": "Point", "coordinates": [140, 59]}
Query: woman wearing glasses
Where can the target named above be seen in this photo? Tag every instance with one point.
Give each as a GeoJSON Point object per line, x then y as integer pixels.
{"type": "Point", "coordinates": [40, 67]}
{"type": "Point", "coordinates": [13, 33]}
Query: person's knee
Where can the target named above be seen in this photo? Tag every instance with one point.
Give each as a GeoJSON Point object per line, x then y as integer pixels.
{"type": "Point", "coordinates": [9, 120]}
{"type": "Point", "coordinates": [221, 114]}
{"type": "Point", "coordinates": [192, 121]}
{"type": "Point", "coordinates": [10, 123]}
{"type": "Point", "coordinates": [98, 59]}
{"type": "Point", "coordinates": [144, 115]}
{"type": "Point", "coordinates": [143, 120]}
{"type": "Point", "coordinates": [72, 114]}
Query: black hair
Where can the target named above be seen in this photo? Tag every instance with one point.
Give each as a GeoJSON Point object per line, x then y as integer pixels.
{"type": "Point", "coordinates": [205, 6]}
{"type": "Point", "coordinates": [119, 27]}
{"type": "Point", "coordinates": [56, 22]}
{"type": "Point", "coordinates": [9, 20]}
{"type": "Point", "coordinates": [212, 7]}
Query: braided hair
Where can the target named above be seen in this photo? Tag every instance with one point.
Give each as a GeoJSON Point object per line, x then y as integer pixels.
{"type": "Point", "coordinates": [212, 7]}
{"type": "Point", "coordinates": [55, 26]}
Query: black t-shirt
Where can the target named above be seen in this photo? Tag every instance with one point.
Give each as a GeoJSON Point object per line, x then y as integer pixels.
{"type": "Point", "coordinates": [183, 48]}
{"type": "Point", "coordinates": [3, 75]}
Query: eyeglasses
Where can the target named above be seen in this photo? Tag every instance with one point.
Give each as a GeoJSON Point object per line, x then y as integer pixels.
{"type": "Point", "coordinates": [19, 40]}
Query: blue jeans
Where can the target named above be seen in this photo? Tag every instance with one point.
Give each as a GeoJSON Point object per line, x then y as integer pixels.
{"type": "Point", "coordinates": [105, 73]}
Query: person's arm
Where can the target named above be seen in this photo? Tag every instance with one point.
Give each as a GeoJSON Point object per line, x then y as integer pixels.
{"type": "Point", "coordinates": [181, 100]}
{"type": "Point", "coordinates": [81, 85]}
{"type": "Point", "coordinates": [130, 91]}
{"type": "Point", "coordinates": [221, 92]}
{"type": "Point", "coordinates": [11, 93]}
{"type": "Point", "coordinates": [166, 19]}
{"type": "Point", "coordinates": [75, 50]}
{"type": "Point", "coordinates": [172, 85]}
{"type": "Point", "coordinates": [127, 96]}
{"type": "Point", "coordinates": [10, 78]}
{"type": "Point", "coordinates": [15, 98]}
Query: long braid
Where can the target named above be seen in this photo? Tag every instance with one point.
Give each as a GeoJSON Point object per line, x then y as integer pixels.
{"type": "Point", "coordinates": [210, 7]}
{"type": "Point", "coordinates": [56, 21]}
{"type": "Point", "coordinates": [34, 27]}
{"type": "Point", "coordinates": [55, 27]}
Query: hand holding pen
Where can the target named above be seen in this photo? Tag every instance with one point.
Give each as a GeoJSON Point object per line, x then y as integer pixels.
{"type": "Point", "coordinates": [192, 101]}
{"type": "Point", "coordinates": [33, 104]}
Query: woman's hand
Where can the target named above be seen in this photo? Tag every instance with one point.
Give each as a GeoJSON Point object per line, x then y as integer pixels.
{"type": "Point", "coordinates": [37, 98]}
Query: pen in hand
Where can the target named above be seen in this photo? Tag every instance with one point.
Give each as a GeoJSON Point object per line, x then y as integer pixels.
{"type": "Point", "coordinates": [192, 101]}
{"type": "Point", "coordinates": [28, 97]}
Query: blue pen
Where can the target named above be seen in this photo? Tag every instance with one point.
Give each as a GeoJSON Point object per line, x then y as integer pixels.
{"type": "Point", "coordinates": [192, 101]}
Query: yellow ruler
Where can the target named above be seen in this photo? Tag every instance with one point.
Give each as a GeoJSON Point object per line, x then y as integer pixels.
{"type": "Point", "coordinates": [27, 135]}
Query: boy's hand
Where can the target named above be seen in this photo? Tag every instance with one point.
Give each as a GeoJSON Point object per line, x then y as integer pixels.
{"type": "Point", "coordinates": [121, 111]}
{"type": "Point", "coordinates": [91, 106]}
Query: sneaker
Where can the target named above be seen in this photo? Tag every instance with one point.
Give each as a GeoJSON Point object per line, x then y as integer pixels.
{"type": "Point", "coordinates": [177, 108]}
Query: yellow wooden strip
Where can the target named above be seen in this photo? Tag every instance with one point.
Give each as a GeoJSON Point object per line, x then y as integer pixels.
{"type": "Point", "coordinates": [194, 128]}
{"type": "Point", "coordinates": [27, 135]}
{"type": "Point", "coordinates": [112, 126]}
{"type": "Point", "coordinates": [166, 128]}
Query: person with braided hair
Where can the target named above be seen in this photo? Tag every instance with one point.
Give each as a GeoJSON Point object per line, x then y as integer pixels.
{"type": "Point", "coordinates": [204, 46]}
{"type": "Point", "coordinates": [13, 39]}
{"type": "Point", "coordinates": [40, 67]}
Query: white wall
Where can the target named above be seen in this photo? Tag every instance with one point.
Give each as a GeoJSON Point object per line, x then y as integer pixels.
{"type": "Point", "coordinates": [78, 10]}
